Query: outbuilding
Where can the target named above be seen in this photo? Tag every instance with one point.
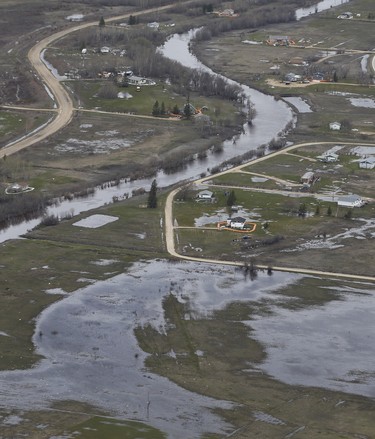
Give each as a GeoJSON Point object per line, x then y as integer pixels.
{"type": "Point", "coordinates": [308, 178]}
{"type": "Point", "coordinates": [350, 201]}
{"type": "Point", "coordinates": [367, 163]}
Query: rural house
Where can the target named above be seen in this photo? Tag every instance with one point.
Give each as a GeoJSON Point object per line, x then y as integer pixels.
{"type": "Point", "coordinates": [205, 196]}
{"type": "Point", "coordinates": [367, 163]}
{"type": "Point", "coordinates": [328, 157]}
{"type": "Point", "coordinates": [236, 223]}
{"type": "Point", "coordinates": [336, 126]}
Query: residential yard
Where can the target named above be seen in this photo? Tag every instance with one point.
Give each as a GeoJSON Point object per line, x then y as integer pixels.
{"type": "Point", "coordinates": [296, 226]}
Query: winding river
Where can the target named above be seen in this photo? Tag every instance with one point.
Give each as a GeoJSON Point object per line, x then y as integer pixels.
{"type": "Point", "coordinates": [271, 118]}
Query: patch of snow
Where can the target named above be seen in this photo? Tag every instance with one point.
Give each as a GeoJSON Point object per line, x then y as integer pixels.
{"type": "Point", "coordinates": [75, 17]}
{"type": "Point", "coordinates": [86, 280]}
{"type": "Point", "coordinates": [362, 102]}
{"type": "Point", "coordinates": [97, 146]}
{"type": "Point", "coordinates": [56, 291]}
{"type": "Point", "coordinates": [265, 417]}
{"type": "Point", "coordinates": [251, 42]}
{"type": "Point", "coordinates": [12, 420]}
{"type": "Point", "coordinates": [259, 179]}
{"type": "Point", "coordinates": [95, 221]}
{"type": "Point", "coordinates": [105, 262]}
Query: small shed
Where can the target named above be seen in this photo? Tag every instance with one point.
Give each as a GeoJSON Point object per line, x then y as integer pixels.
{"type": "Point", "coordinates": [308, 178]}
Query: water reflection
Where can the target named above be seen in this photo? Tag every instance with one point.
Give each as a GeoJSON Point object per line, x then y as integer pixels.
{"type": "Point", "coordinates": [319, 7]}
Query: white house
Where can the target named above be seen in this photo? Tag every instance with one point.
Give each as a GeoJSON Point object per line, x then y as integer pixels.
{"type": "Point", "coordinates": [236, 223]}
{"type": "Point", "coordinates": [367, 163]}
{"type": "Point", "coordinates": [205, 196]}
{"type": "Point", "coordinates": [336, 126]}
{"type": "Point", "coordinates": [350, 201]}
{"type": "Point", "coordinates": [153, 25]}
{"type": "Point", "coordinates": [328, 157]}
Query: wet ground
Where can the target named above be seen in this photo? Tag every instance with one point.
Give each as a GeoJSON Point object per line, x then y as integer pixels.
{"type": "Point", "coordinates": [92, 356]}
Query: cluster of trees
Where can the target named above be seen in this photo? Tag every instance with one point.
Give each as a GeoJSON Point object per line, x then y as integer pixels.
{"type": "Point", "coordinates": [159, 109]}
{"type": "Point", "coordinates": [207, 8]}
{"type": "Point", "coordinates": [133, 19]}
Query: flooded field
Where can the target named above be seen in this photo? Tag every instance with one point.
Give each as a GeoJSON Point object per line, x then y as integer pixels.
{"type": "Point", "coordinates": [91, 354]}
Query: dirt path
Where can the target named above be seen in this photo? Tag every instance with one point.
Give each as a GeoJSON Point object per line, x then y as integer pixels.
{"type": "Point", "coordinates": [169, 227]}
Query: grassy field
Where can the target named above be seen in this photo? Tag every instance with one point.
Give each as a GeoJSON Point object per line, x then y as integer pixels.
{"type": "Point", "coordinates": [283, 237]}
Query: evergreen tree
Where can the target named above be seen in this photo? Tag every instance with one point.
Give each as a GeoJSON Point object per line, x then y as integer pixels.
{"type": "Point", "coordinates": [187, 108]}
{"type": "Point", "coordinates": [302, 210]}
{"type": "Point", "coordinates": [329, 211]}
{"type": "Point", "coordinates": [231, 200]}
{"type": "Point", "coordinates": [101, 21]}
{"type": "Point", "coordinates": [132, 20]}
{"type": "Point", "coordinates": [162, 109]}
{"type": "Point", "coordinates": [152, 201]}
{"type": "Point", "coordinates": [156, 109]}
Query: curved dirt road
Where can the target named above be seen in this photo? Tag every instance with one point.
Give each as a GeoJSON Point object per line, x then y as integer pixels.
{"type": "Point", "coordinates": [63, 100]}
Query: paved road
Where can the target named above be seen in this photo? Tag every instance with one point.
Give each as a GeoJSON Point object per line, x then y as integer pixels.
{"type": "Point", "coordinates": [169, 227]}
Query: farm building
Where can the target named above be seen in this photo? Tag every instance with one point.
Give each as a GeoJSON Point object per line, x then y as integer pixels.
{"type": "Point", "coordinates": [308, 178]}
{"type": "Point", "coordinates": [350, 201]}
{"type": "Point", "coordinates": [367, 163]}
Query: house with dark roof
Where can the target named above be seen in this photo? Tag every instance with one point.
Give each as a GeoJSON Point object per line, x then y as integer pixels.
{"type": "Point", "coordinates": [236, 223]}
